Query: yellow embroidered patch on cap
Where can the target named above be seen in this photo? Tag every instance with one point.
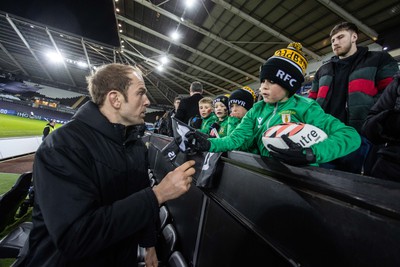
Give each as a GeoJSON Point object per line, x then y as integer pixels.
{"type": "Point", "coordinates": [294, 54]}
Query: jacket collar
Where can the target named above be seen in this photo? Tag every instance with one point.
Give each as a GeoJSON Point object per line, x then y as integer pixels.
{"type": "Point", "coordinates": [90, 114]}
{"type": "Point", "coordinates": [361, 51]}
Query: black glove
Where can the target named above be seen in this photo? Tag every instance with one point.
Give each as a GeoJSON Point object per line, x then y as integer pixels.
{"type": "Point", "coordinates": [294, 155]}
{"type": "Point", "coordinates": [215, 126]}
{"type": "Point", "coordinates": [197, 141]}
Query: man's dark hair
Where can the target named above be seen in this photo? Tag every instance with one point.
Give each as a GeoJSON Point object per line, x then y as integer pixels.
{"type": "Point", "coordinates": [344, 26]}
{"type": "Point", "coordinates": [196, 87]}
{"type": "Point", "coordinates": [177, 98]}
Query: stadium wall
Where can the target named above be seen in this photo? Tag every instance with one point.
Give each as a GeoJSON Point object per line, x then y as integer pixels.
{"type": "Point", "coordinates": [13, 147]}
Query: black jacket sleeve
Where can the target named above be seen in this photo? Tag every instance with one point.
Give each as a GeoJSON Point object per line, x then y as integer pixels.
{"type": "Point", "coordinates": [383, 121]}
{"type": "Point", "coordinates": [182, 111]}
{"type": "Point", "coordinates": [70, 205]}
{"type": "Point", "coordinates": [46, 131]}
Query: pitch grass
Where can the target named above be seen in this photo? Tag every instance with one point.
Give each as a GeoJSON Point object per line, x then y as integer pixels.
{"type": "Point", "coordinates": [14, 126]}
{"type": "Point", "coordinates": [7, 180]}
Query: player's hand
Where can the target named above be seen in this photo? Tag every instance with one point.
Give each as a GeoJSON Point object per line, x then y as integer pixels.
{"type": "Point", "coordinates": [175, 183]}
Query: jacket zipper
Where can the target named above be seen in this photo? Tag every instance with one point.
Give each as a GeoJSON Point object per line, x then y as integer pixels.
{"type": "Point", "coordinates": [273, 114]}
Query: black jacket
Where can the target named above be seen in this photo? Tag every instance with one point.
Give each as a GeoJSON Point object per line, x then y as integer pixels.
{"type": "Point", "coordinates": [383, 121]}
{"type": "Point", "coordinates": [383, 127]}
{"type": "Point", "coordinates": [93, 203]}
{"type": "Point", "coordinates": [188, 108]}
{"type": "Point", "coordinates": [47, 129]}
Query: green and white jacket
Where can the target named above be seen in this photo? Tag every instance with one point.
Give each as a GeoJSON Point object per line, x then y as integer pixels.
{"type": "Point", "coordinates": [341, 140]}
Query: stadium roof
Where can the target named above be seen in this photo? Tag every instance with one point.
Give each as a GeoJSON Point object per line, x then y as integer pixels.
{"type": "Point", "coordinates": [222, 44]}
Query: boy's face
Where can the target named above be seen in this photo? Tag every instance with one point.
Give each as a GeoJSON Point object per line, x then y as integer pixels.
{"type": "Point", "coordinates": [273, 92]}
{"type": "Point", "coordinates": [205, 110]}
{"type": "Point", "coordinates": [237, 111]}
{"type": "Point", "coordinates": [220, 110]}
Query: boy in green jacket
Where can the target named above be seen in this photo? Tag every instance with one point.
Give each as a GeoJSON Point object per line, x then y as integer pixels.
{"type": "Point", "coordinates": [240, 101]}
{"type": "Point", "coordinates": [281, 76]}
{"type": "Point", "coordinates": [207, 114]}
{"type": "Point", "coordinates": [221, 110]}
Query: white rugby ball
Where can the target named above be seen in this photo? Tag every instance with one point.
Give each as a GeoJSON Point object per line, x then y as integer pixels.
{"type": "Point", "coordinates": [304, 134]}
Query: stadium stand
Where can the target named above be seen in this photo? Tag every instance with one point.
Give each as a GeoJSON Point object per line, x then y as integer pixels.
{"type": "Point", "coordinates": [73, 102]}
{"type": "Point", "coordinates": [26, 110]}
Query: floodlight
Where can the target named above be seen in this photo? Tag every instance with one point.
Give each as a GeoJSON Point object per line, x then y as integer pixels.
{"type": "Point", "coordinates": [164, 60]}
{"type": "Point", "coordinates": [55, 57]}
{"type": "Point", "coordinates": [190, 3]}
{"type": "Point", "coordinates": [175, 35]}
{"type": "Point", "coordinates": [82, 64]}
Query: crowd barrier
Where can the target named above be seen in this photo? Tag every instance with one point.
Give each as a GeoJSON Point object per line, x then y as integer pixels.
{"type": "Point", "coordinates": [261, 212]}
{"type": "Point", "coordinates": [17, 146]}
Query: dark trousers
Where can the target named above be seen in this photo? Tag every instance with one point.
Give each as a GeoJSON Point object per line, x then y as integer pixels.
{"type": "Point", "coordinates": [359, 161]}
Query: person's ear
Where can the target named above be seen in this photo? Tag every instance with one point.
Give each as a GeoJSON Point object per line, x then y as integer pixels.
{"type": "Point", "coordinates": [354, 37]}
{"type": "Point", "coordinates": [114, 98]}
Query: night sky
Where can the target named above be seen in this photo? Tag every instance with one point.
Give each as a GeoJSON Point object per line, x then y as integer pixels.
{"type": "Point", "coordinates": [93, 19]}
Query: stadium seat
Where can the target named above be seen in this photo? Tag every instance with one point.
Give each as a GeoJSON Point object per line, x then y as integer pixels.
{"type": "Point", "coordinates": [12, 243]}
{"type": "Point", "coordinates": [22, 255]}
{"type": "Point", "coordinates": [152, 182]}
{"type": "Point", "coordinates": [11, 200]}
{"type": "Point", "coordinates": [167, 243]}
{"type": "Point", "coordinates": [164, 219]}
{"type": "Point", "coordinates": [177, 260]}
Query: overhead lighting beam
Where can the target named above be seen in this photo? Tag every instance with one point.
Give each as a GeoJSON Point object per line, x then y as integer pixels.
{"type": "Point", "coordinates": [162, 88]}
{"type": "Point", "coordinates": [28, 46]}
{"type": "Point", "coordinates": [178, 71]}
{"type": "Point", "coordinates": [261, 25]}
{"type": "Point", "coordinates": [86, 56]}
{"type": "Point", "coordinates": [183, 62]}
{"type": "Point", "coordinates": [13, 59]}
{"type": "Point", "coordinates": [348, 17]}
{"type": "Point", "coordinates": [213, 59]}
{"type": "Point", "coordinates": [200, 30]}
{"type": "Point", "coordinates": [59, 53]}
{"type": "Point", "coordinates": [164, 77]}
